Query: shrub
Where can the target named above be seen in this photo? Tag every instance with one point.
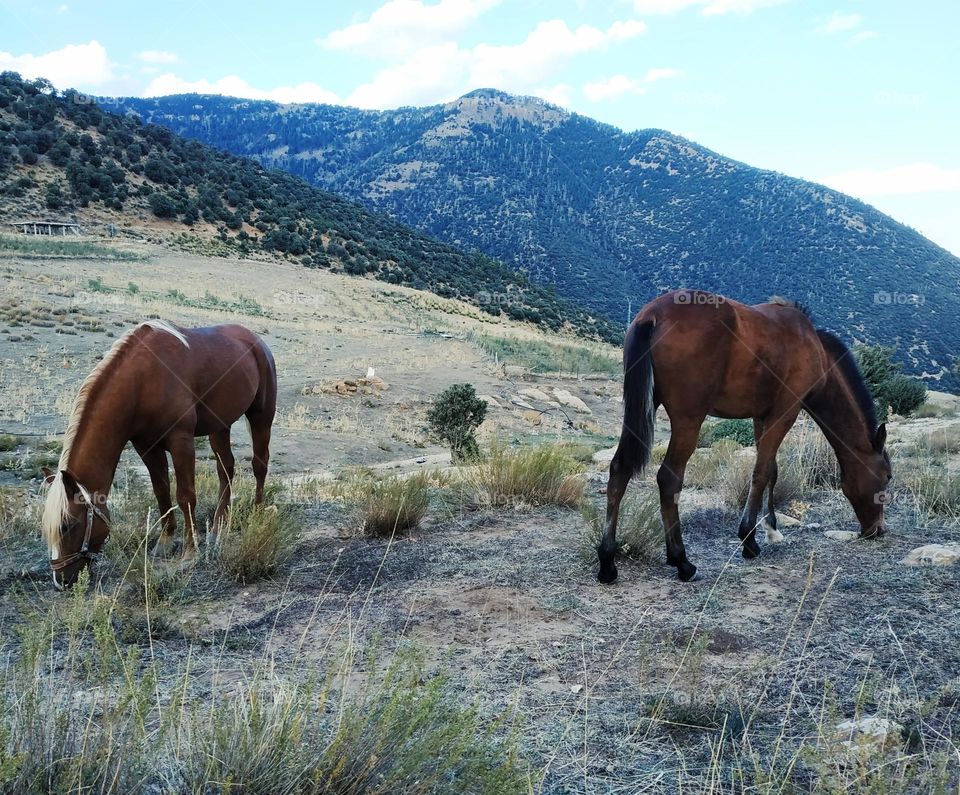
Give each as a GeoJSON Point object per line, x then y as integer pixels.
{"type": "Point", "coordinates": [943, 441]}
{"type": "Point", "coordinates": [905, 395]}
{"type": "Point", "coordinates": [257, 540]}
{"type": "Point", "coordinates": [454, 417]}
{"type": "Point", "coordinates": [542, 475]}
{"type": "Point", "coordinates": [394, 504]}
{"type": "Point", "coordinates": [886, 383]}
{"type": "Point", "coordinates": [933, 491]}
{"type": "Point", "coordinates": [639, 528]}
{"type": "Point", "coordinates": [8, 442]}
{"type": "Point", "coordinates": [741, 431]}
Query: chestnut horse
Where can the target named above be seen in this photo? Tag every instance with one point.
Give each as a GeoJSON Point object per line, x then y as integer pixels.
{"type": "Point", "coordinates": [158, 387]}
{"type": "Point", "coordinates": [696, 354]}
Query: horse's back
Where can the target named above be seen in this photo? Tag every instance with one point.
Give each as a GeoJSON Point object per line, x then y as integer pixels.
{"type": "Point", "coordinates": [718, 356]}
{"type": "Point", "coordinates": [217, 373]}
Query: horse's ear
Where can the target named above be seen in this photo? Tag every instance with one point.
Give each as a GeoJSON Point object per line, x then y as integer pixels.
{"type": "Point", "coordinates": [880, 438]}
{"type": "Point", "coordinates": [69, 483]}
{"type": "Point", "coordinates": [48, 476]}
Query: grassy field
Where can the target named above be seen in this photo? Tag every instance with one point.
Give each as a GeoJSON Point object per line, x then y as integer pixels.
{"type": "Point", "coordinates": [391, 623]}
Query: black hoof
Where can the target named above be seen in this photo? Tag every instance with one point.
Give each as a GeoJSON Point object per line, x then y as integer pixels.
{"type": "Point", "coordinates": [751, 549]}
{"type": "Point", "coordinates": [607, 576]}
{"type": "Point", "coordinates": [687, 572]}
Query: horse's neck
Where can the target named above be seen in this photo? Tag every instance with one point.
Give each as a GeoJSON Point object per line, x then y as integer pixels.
{"type": "Point", "coordinates": [834, 408]}
{"type": "Point", "coordinates": [97, 446]}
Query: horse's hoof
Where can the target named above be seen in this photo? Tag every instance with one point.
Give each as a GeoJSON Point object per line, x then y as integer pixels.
{"type": "Point", "coordinates": [189, 554]}
{"type": "Point", "coordinates": [751, 550]}
{"type": "Point", "coordinates": [687, 572]}
{"type": "Point", "coordinates": [607, 576]}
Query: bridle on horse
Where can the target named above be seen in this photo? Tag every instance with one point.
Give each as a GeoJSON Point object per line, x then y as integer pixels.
{"type": "Point", "coordinates": [59, 564]}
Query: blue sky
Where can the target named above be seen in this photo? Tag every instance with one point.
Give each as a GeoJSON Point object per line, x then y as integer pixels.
{"type": "Point", "coordinates": [862, 96]}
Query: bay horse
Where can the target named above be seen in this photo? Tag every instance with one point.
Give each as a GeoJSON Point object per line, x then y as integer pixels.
{"type": "Point", "coordinates": [695, 353]}
{"type": "Point", "coordinates": [159, 387]}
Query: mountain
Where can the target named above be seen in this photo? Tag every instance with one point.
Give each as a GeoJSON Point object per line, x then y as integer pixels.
{"type": "Point", "coordinates": [61, 155]}
{"type": "Point", "coordinates": [612, 218]}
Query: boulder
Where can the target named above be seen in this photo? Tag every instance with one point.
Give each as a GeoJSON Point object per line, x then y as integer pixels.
{"type": "Point", "coordinates": [533, 417]}
{"type": "Point", "coordinates": [532, 393]}
{"type": "Point", "coordinates": [490, 401]}
{"type": "Point", "coordinates": [519, 401]}
{"type": "Point", "coordinates": [933, 555]}
{"type": "Point", "coordinates": [568, 399]}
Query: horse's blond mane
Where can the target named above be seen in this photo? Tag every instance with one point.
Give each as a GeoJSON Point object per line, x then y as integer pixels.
{"type": "Point", "coordinates": [57, 505]}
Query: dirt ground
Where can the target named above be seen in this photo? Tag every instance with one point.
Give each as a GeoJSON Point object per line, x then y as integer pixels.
{"type": "Point", "coordinates": [650, 685]}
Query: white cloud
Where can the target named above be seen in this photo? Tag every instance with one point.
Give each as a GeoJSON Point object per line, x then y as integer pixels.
{"type": "Point", "coordinates": [840, 22]}
{"type": "Point", "coordinates": [902, 180]}
{"type": "Point", "coordinates": [158, 56]}
{"type": "Point", "coordinates": [708, 7]}
{"type": "Point", "coordinates": [864, 35]}
{"type": "Point", "coordinates": [73, 66]}
{"type": "Point", "coordinates": [441, 72]}
{"type": "Point", "coordinates": [560, 94]}
{"type": "Point", "coordinates": [399, 27]}
{"type": "Point", "coordinates": [612, 87]}
{"type": "Point", "coordinates": [653, 75]}
{"type": "Point", "coordinates": [618, 85]}
{"type": "Point", "coordinates": [234, 86]}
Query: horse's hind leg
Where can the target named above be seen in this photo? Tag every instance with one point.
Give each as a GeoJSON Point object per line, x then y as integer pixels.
{"type": "Point", "coordinates": [184, 456]}
{"type": "Point", "coordinates": [260, 426]}
{"type": "Point", "coordinates": [616, 487]}
{"type": "Point", "coordinates": [154, 458]}
{"type": "Point", "coordinates": [770, 518]}
{"type": "Point", "coordinates": [683, 442]}
{"type": "Point", "coordinates": [220, 444]}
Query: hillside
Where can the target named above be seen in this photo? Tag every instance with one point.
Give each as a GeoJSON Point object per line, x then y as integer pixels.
{"type": "Point", "coordinates": [61, 156]}
{"type": "Point", "coordinates": [610, 217]}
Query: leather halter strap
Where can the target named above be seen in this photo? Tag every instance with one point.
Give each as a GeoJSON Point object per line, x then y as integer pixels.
{"type": "Point", "coordinates": [58, 564]}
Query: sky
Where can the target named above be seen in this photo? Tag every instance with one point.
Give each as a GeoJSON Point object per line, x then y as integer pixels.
{"type": "Point", "coordinates": [860, 95]}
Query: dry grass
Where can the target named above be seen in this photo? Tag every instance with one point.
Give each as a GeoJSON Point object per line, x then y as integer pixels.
{"type": "Point", "coordinates": [390, 505]}
{"type": "Point", "coordinates": [639, 528]}
{"type": "Point", "coordinates": [940, 442]}
{"type": "Point", "coordinates": [527, 476]}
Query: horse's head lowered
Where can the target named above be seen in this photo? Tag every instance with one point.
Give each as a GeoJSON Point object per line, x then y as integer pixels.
{"type": "Point", "coordinates": [75, 524]}
{"type": "Point", "coordinates": [865, 485]}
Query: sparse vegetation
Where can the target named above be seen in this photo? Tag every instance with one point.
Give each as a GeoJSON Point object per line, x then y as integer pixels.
{"type": "Point", "coordinates": [639, 528]}
{"type": "Point", "coordinates": [531, 476]}
{"type": "Point", "coordinates": [389, 505]}
{"type": "Point", "coordinates": [547, 357]}
{"type": "Point", "coordinates": [41, 246]}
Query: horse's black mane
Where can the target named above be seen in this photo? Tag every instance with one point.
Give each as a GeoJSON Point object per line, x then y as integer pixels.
{"type": "Point", "coordinates": [847, 366]}
{"type": "Point", "coordinates": [803, 309]}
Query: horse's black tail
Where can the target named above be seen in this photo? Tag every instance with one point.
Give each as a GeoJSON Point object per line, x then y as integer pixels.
{"type": "Point", "coordinates": [636, 438]}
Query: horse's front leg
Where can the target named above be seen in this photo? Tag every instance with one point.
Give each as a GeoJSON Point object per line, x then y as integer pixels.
{"type": "Point", "coordinates": [683, 442]}
{"type": "Point", "coordinates": [764, 474]}
{"type": "Point", "coordinates": [183, 453]}
{"type": "Point", "coordinates": [154, 457]}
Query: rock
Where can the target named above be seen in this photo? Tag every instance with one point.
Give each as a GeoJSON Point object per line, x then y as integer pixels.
{"type": "Point", "coordinates": [490, 400]}
{"type": "Point", "coordinates": [933, 555]}
{"type": "Point", "coordinates": [604, 456]}
{"type": "Point", "coordinates": [786, 521]}
{"type": "Point", "coordinates": [533, 417]}
{"type": "Point", "coordinates": [842, 535]}
{"type": "Point", "coordinates": [519, 401]}
{"type": "Point", "coordinates": [568, 399]}
{"type": "Point", "coordinates": [868, 734]}
{"type": "Point", "coordinates": [813, 526]}
{"type": "Point", "coordinates": [532, 393]}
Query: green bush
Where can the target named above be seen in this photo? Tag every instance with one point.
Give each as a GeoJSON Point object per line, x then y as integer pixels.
{"type": "Point", "coordinates": [541, 475]}
{"type": "Point", "coordinates": [741, 431]}
{"type": "Point", "coordinates": [889, 387]}
{"type": "Point", "coordinates": [905, 395]}
{"type": "Point", "coordinates": [454, 417]}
